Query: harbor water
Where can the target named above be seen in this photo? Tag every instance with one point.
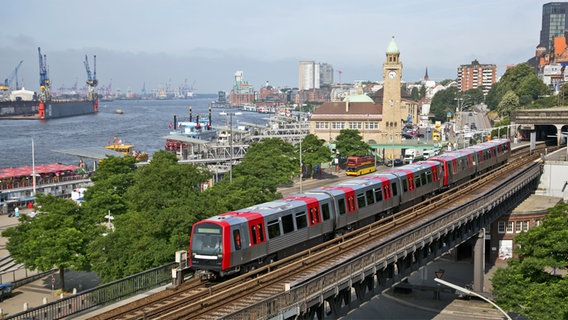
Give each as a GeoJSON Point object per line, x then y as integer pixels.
{"type": "Point", "coordinates": [143, 123]}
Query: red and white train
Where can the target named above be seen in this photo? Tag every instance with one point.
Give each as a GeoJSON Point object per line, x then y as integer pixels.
{"type": "Point", "coordinates": [238, 241]}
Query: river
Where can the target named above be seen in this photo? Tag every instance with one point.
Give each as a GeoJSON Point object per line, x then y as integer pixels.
{"type": "Point", "coordinates": [143, 123]}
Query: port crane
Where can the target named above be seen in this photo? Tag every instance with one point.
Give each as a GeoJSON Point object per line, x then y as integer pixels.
{"type": "Point", "coordinates": [44, 83]}
{"type": "Point", "coordinates": [8, 81]}
{"type": "Point", "coordinates": [92, 81]}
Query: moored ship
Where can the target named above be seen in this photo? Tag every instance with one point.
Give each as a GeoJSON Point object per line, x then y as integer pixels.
{"type": "Point", "coordinates": [29, 105]}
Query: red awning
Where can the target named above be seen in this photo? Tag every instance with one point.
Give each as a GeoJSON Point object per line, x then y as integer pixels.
{"type": "Point", "coordinates": [40, 169]}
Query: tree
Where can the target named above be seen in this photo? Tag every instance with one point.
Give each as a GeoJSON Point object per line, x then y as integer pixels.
{"type": "Point", "coordinates": [529, 284]}
{"type": "Point", "coordinates": [523, 81]}
{"type": "Point", "coordinates": [350, 143]}
{"type": "Point", "coordinates": [110, 182]}
{"type": "Point", "coordinates": [414, 94]}
{"type": "Point", "coordinates": [509, 103]}
{"type": "Point", "coordinates": [163, 202]}
{"type": "Point", "coordinates": [444, 101]}
{"type": "Point", "coordinates": [57, 238]}
{"type": "Point", "coordinates": [272, 161]}
{"type": "Point", "coordinates": [473, 97]}
{"type": "Point", "coordinates": [314, 152]}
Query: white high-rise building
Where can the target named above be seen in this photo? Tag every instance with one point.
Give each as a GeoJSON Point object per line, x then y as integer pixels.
{"type": "Point", "coordinates": [309, 75]}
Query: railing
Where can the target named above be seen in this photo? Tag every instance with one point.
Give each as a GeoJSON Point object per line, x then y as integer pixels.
{"type": "Point", "coordinates": [101, 295]}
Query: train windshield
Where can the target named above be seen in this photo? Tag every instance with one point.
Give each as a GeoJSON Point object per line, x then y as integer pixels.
{"type": "Point", "coordinates": [206, 239]}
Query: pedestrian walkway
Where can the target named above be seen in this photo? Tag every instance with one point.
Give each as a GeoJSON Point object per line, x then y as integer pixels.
{"type": "Point", "coordinates": [43, 290]}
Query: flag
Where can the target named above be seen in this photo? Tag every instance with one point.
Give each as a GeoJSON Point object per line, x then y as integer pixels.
{"type": "Point", "coordinates": [171, 125]}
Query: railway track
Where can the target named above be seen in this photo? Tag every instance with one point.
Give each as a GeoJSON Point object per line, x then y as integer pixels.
{"type": "Point", "coordinates": [203, 300]}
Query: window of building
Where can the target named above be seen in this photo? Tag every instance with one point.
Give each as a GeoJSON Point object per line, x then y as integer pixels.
{"type": "Point", "coordinates": [338, 125]}
{"type": "Point", "coordinates": [355, 125]}
{"type": "Point", "coordinates": [322, 125]}
{"type": "Point", "coordinates": [371, 125]}
{"type": "Point", "coordinates": [518, 226]}
{"type": "Point", "coordinates": [509, 226]}
{"type": "Point", "coordinates": [501, 227]}
{"type": "Point", "coordinates": [526, 225]}
{"type": "Point", "coordinates": [538, 222]}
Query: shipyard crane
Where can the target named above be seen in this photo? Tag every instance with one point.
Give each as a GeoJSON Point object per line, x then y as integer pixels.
{"type": "Point", "coordinates": [92, 81]}
{"type": "Point", "coordinates": [44, 84]}
{"type": "Point", "coordinates": [8, 81]}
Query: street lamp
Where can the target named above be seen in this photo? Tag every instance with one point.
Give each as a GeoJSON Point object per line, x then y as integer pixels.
{"type": "Point", "coordinates": [230, 114]}
{"type": "Point", "coordinates": [471, 293]}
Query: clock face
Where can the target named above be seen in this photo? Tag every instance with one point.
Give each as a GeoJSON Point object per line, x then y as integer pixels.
{"type": "Point", "coordinates": [392, 74]}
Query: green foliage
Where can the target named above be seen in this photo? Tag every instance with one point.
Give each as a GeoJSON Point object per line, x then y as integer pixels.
{"type": "Point", "coordinates": [350, 143]}
{"type": "Point", "coordinates": [163, 202]}
{"type": "Point", "coordinates": [57, 238]}
{"type": "Point", "coordinates": [523, 81]}
{"type": "Point", "coordinates": [110, 182]}
{"type": "Point", "coordinates": [272, 161]}
{"type": "Point", "coordinates": [509, 102]}
{"type": "Point", "coordinates": [314, 151]}
{"type": "Point", "coordinates": [414, 94]}
{"type": "Point", "coordinates": [472, 97]}
{"type": "Point", "coordinates": [443, 102]}
{"type": "Point", "coordinates": [529, 285]}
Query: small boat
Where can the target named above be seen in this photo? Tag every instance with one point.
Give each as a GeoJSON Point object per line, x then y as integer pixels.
{"type": "Point", "coordinates": [127, 149]}
{"type": "Point", "coordinates": [118, 111]}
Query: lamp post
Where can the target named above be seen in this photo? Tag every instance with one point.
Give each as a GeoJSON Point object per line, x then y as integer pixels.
{"type": "Point", "coordinates": [301, 167]}
{"type": "Point", "coordinates": [471, 293]}
{"type": "Point", "coordinates": [230, 114]}
{"type": "Point", "coordinates": [33, 169]}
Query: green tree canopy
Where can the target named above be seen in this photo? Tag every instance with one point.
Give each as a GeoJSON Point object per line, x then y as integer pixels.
{"type": "Point", "coordinates": [273, 161]}
{"type": "Point", "coordinates": [530, 285]}
{"type": "Point", "coordinates": [110, 182]}
{"type": "Point", "coordinates": [523, 81]}
{"type": "Point", "coordinates": [163, 202]}
{"type": "Point", "coordinates": [57, 238]}
{"type": "Point", "coordinates": [509, 102]}
{"type": "Point", "coordinates": [444, 101]}
{"type": "Point", "coordinates": [314, 151]}
{"type": "Point", "coordinates": [350, 143]}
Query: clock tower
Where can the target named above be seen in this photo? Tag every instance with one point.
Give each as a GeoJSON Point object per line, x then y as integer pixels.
{"type": "Point", "coordinates": [392, 115]}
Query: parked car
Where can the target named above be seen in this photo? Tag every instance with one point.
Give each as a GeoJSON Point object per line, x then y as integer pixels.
{"type": "Point", "coordinates": [397, 163]}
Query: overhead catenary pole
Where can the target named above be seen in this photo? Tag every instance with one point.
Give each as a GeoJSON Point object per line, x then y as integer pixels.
{"type": "Point", "coordinates": [230, 114]}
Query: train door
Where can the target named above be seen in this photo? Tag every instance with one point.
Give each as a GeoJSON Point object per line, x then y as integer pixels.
{"type": "Point", "coordinates": [257, 234]}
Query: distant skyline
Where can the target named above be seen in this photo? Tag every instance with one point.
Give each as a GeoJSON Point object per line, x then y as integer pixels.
{"type": "Point", "coordinates": [139, 42]}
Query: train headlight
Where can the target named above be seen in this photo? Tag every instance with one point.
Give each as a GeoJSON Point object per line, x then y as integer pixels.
{"type": "Point", "coordinates": [219, 256]}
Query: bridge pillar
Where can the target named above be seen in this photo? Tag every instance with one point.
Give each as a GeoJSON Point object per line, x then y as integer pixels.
{"type": "Point", "coordinates": [558, 134]}
{"type": "Point", "coordinates": [479, 261]}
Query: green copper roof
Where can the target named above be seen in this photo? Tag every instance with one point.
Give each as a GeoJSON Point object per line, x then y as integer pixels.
{"type": "Point", "coordinates": [358, 98]}
{"type": "Point", "coordinates": [393, 48]}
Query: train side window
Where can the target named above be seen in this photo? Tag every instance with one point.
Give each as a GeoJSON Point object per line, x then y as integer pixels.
{"type": "Point", "coordinates": [427, 177]}
{"type": "Point", "coordinates": [301, 220]}
{"type": "Point", "coordinates": [325, 211]}
{"type": "Point", "coordinates": [273, 229]}
{"type": "Point", "coordinates": [237, 239]}
{"type": "Point", "coordinates": [361, 200]}
{"type": "Point", "coordinates": [418, 181]}
{"type": "Point", "coordinates": [341, 205]}
{"type": "Point", "coordinates": [404, 185]}
{"type": "Point", "coordinates": [370, 198]}
{"type": "Point", "coordinates": [379, 194]}
{"type": "Point", "coordinates": [394, 190]}
{"type": "Point", "coordinates": [287, 224]}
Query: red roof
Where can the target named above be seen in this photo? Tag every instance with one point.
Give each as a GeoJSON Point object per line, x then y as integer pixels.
{"type": "Point", "coordinates": [28, 171]}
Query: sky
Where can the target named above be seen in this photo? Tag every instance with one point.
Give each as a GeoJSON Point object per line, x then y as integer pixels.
{"type": "Point", "coordinates": [140, 43]}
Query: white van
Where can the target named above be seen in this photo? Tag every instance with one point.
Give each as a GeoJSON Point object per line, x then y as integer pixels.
{"type": "Point", "coordinates": [431, 153]}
